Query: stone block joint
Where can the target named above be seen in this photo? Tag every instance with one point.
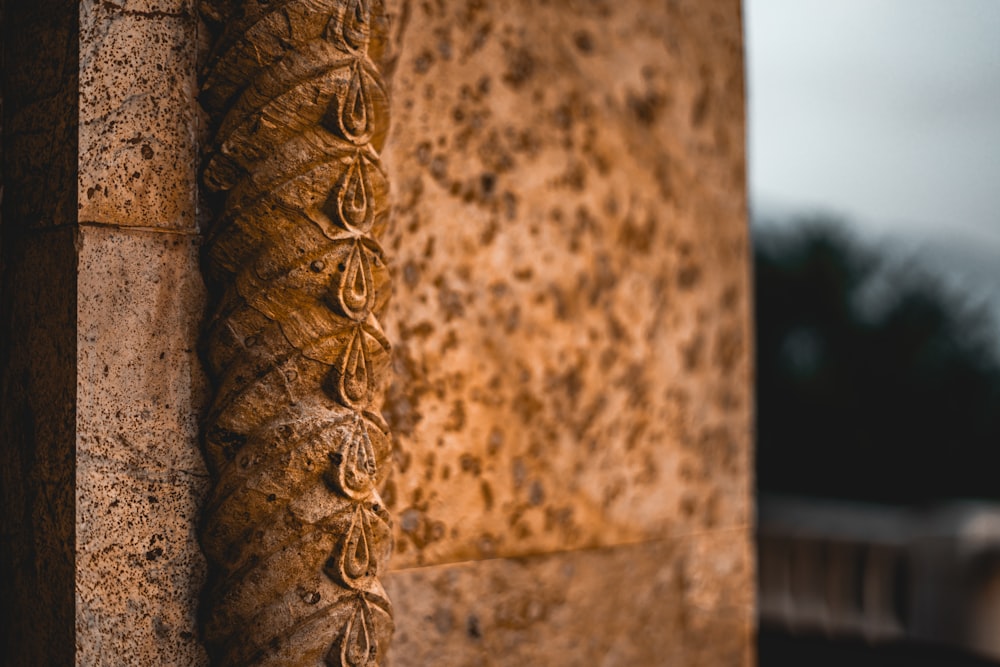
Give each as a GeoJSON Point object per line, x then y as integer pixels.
{"type": "Point", "coordinates": [295, 529]}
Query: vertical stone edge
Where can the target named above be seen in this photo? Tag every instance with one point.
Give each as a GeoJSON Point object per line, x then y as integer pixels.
{"type": "Point", "coordinates": [749, 335]}
{"type": "Point", "coordinates": [139, 477]}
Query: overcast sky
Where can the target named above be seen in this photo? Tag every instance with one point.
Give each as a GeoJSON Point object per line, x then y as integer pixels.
{"type": "Point", "coordinates": [888, 110]}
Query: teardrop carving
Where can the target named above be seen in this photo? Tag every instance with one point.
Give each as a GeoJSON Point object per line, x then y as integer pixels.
{"type": "Point", "coordinates": [354, 196]}
{"type": "Point", "coordinates": [297, 535]}
{"type": "Point", "coordinates": [355, 110]}
{"type": "Point", "coordinates": [353, 379]}
{"type": "Point", "coordinates": [356, 557]}
{"type": "Point", "coordinates": [358, 646]}
{"type": "Point", "coordinates": [353, 470]}
{"type": "Point", "coordinates": [356, 20]}
{"type": "Point", "coordinates": [356, 560]}
{"type": "Point", "coordinates": [356, 289]}
{"type": "Point", "coordinates": [352, 203]}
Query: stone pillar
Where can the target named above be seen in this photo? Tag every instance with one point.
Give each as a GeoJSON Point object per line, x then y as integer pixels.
{"type": "Point", "coordinates": [102, 387]}
{"type": "Point", "coordinates": [570, 409]}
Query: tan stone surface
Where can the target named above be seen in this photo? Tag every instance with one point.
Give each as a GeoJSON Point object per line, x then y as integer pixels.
{"type": "Point", "coordinates": [140, 478]}
{"type": "Point", "coordinates": [570, 324]}
{"type": "Point", "coordinates": [570, 316]}
{"type": "Point", "coordinates": [673, 602]}
{"type": "Point", "coordinates": [138, 156]}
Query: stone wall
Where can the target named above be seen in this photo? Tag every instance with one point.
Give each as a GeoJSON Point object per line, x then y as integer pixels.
{"type": "Point", "coordinates": [102, 303]}
{"type": "Point", "coordinates": [571, 403]}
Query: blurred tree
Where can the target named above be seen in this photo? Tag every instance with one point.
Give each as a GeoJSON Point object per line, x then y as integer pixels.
{"type": "Point", "coordinates": [873, 383]}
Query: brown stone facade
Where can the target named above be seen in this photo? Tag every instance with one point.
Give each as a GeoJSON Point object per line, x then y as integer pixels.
{"type": "Point", "coordinates": [571, 402]}
{"type": "Point", "coordinates": [568, 388]}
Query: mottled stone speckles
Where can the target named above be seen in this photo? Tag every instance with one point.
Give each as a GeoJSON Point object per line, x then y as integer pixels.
{"type": "Point", "coordinates": [137, 106]}
{"type": "Point", "coordinates": [572, 365]}
{"type": "Point", "coordinates": [140, 480]}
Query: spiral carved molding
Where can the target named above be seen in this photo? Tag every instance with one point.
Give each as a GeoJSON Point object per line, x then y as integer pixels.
{"type": "Point", "coordinates": [295, 530]}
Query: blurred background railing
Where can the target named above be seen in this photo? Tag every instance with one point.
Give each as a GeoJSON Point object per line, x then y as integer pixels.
{"type": "Point", "coordinates": [853, 572]}
{"type": "Point", "coordinates": [878, 423]}
{"type": "Point", "coordinates": [878, 359]}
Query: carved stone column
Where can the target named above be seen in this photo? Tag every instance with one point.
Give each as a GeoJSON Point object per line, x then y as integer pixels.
{"type": "Point", "coordinates": [295, 529]}
{"type": "Point", "coordinates": [569, 411]}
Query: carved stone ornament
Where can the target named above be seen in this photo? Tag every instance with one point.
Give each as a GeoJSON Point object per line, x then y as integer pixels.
{"type": "Point", "coordinates": [294, 529]}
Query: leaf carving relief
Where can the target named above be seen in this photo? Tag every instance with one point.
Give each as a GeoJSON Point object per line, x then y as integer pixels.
{"type": "Point", "coordinates": [295, 531]}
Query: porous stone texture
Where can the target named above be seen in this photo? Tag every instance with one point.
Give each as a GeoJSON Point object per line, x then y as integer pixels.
{"type": "Point", "coordinates": [140, 478]}
{"type": "Point", "coordinates": [138, 155]}
{"type": "Point", "coordinates": [667, 602]}
{"type": "Point", "coordinates": [571, 408]}
{"type": "Point", "coordinates": [139, 475]}
{"type": "Point", "coordinates": [102, 388]}
{"type": "Point", "coordinates": [571, 316]}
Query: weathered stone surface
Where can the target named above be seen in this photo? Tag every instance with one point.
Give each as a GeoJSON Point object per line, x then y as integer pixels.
{"type": "Point", "coordinates": [295, 528]}
{"type": "Point", "coordinates": [570, 319]}
{"type": "Point", "coordinates": [140, 478]}
{"type": "Point", "coordinates": [138, 156]}
{"type": "Point", "coordinates": [570, 326]}
{"type": "Point", "coordinates": [683, 601]}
